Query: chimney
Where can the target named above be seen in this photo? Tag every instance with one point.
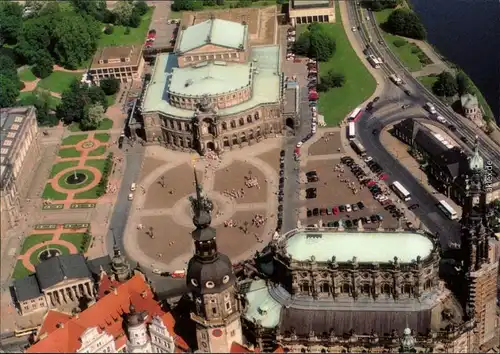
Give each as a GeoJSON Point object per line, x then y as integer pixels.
{"type": "Point", "coordinates": [115, 291]}
{"type": "Point", "coordinates": [60, 325]}
{"type": "Point", "coordinates": [144, 294]}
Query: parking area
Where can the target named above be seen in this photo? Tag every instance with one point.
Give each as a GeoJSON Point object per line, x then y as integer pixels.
{"type": "Point", "coordinates": [336, 194]}
{"type": "Point", "coordinates": [165, 29]}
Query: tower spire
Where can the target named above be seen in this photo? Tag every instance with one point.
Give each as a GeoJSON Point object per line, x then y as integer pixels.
{"type": "Point", "coordinates": [476, 162]}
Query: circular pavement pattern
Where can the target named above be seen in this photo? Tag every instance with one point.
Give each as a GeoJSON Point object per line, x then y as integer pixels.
{"type": "Point", "coordinates": [88, 144]}
{"type": "Point", "coordinates": [35, 257]}
{"type": "Point", "coordinates": [85, 176]}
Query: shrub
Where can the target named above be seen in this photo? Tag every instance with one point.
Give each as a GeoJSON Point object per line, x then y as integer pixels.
{"type": "Point", "coordinates": [109, 29]}
{"type": "Point", "coordinates": [127, 30]}
{"type": "Point", "coordinates": [101, 187]}
{"type": "Point", "coordinates": [415, 49]}
{"type": "Point", "coordinates": [399, 42]}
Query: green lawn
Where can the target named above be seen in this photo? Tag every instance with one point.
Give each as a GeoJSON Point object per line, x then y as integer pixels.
{"type": "Point", "coordinates": [58, 81]}
{"type": "Point", "coordinates": [26, 75]}
{"type": "Point", "coordinates": [34, 256]}
{"type": "Point", "coordinates": [20, 271]}
{"type": "Point", "coordinates": [62, 181]}
{"type": "Point", "coordinates": [28, 98]}
{"type": "Point", "coordinates": [105, 124]}
{"type": "Point", "coordinates": [69, 152]}
{"type": "Point", "coordinates": [383, 15]}
{"type": "Point", "coordinates": [175, 15]}
{"type": "Point", "coordinates": [102, 137]}
{"type": "Point", "coordinates": [61, 166]}
{"type": "Point", "coordinates": [74, 139]}
{"type": "Point", "coordinates": [136, 35]}
{"type": "Point", "coordinates": [428, 81]}
{"type": "Point", "coordinates": [227, 5]}
{"type": "Point", "coordinates": [50, 193]}
{"type": "Point", "coordinates": [33, 240]}
{"type": "Point", "coordinates": [338, 102]}
{"type": "Point", "coordinates": [111, 99]}
{"type": "Point", "coordinates": [407, 53]}
{"type": "Point", "coordinates": [75, 238]}
{"type": "Point", "coordinates": [97, 163]}
{"type": "Point", "coordinates": [90, 194]}
{"type": "Point", "coordinates": [101, 150]}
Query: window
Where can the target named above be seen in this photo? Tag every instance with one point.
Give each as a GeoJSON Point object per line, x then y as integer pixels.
{"type": "Point", "coordinates": [214, 310]}
{"type": "Point", "coordinates": [228, 306]}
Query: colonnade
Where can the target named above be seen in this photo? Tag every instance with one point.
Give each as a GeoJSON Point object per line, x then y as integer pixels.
{"type": "Point", "coordinates": [69, 294]}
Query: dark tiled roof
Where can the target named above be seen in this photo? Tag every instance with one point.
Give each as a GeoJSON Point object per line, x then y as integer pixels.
{"type": "Point", "coordinates": [427, 142]}
{"type": "Point", "coordinates": [96, 264]}
{"type": "Point", "coordinates": [319, 321]}
{"type": "Point", "coordinates": [455, 161]}
{"type": "Point", "coordinates": [27, 288]}
{"type": "Point", "coordinates": [57, 269]}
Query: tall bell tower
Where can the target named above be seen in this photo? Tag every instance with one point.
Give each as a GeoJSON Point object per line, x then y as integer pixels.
{"type": "Point", "coordinates": [212, 282]}
{"type": "Point", "coordinates": [479, 263]}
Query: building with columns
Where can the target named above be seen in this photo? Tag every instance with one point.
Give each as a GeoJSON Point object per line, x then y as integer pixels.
{"type": "Point", "coordinates": [19, 156]}
{"type": "Point", "coordinates": [58, 282]}
{"type": "Point", "coordinates": [309, 11]}
{"type": "Point", "coordinates": [215, 91]}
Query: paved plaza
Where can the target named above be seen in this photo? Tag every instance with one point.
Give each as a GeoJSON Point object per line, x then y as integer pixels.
{"type": "Point", "coordinates": [242, 184]}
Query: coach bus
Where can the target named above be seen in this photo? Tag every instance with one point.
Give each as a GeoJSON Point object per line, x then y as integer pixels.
{"type": "Point", "coordinates": [356, 145]}
{"type": "Point", "coordinates": [351, 131]}
{"type": "Point", "coordinates": [355, 115]}
{"type": "Point", "coordinates": [447, 210]}
{"type": "Point", "coordinates": [401, 191]}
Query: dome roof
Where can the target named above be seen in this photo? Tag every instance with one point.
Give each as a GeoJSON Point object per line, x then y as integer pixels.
{"type": "Point", "coordinates": [210, 277]}
{"type": "Point", "coordinates": [134, 318]}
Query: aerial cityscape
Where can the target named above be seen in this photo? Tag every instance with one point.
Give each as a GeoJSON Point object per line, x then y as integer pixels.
{"type": "Point", "coordinates": [243, 176]}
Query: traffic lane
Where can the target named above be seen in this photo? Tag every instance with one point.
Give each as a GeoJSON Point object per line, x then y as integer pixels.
{"type": "Point", "coordinates": [396, 171]}
{"type": "Point", "coordinates": [133, 162]}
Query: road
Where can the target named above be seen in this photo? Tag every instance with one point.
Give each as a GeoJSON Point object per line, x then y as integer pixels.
{"type": "Point", "coordinates": [388, 111]}
{"type": "Point", "coordinates": [489, 150]}
{"type": "Point", "coordinates": [292, 188]}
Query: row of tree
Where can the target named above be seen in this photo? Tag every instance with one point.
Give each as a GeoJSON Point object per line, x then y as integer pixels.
{"type": "Point", "coordinates": [9, 82]}
{"type": "Point", "coordinates": [315, 43]}
{"type": "Point", "coordinates": [196, 5]}
{"type": "Point", "coordinates": [448, 85]}
{"type": "Point", "coordinates": [378, 5]}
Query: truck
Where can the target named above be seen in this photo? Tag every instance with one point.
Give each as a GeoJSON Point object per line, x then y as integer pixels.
{"type": "Point", "coordinates": [396, 79]}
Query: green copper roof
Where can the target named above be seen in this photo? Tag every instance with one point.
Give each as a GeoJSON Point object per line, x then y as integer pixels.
{"type": "Point", "coordinates": [210, 78]}
{"type": "Point", "coordinates": [261, 306]}
{"type": "Point", "coordinates": [217, 32]}
{"type": "Point", "coordinates": [265, 90]}
{"type": "Point", "coordinates": [367, 247]}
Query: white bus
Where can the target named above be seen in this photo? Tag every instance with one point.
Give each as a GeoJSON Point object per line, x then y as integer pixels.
{"type": "Point", "coordinates": [354, 114]}
{"type": "Point", "coordinates": [374, 61]}
{"type": "Point", "coordinates": [447, 210]}
{"type": "Point", "coordinates": [356, 145]}
{"type": "Point", "coordinates": [401, 191]}
{"type": "Point", "coordinates": [351, 133]}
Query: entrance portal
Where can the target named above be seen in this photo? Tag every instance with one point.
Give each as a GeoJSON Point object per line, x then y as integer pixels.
{"type": "Point", "coordinates": [211, 146]}
{"type": "Point", "coordinates": [290, 123]}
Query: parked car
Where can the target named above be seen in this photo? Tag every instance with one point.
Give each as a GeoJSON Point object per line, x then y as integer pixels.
{"type": "Point", "coordinates": [361, 205]}
{"type": "Point", "coordinates": [348, 208]}
{"type": "Point", "coordinates": [315, 212]}
{"type": "Point", "coordinates": [342, 208]}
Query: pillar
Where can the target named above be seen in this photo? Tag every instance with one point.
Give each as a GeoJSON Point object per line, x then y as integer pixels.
{"type": "Point", "coordinates": [88, 290]}
{"type": "Point", "coordinates": [78, 290]}
{"type": "Point", "coordinates": [63, 295]}
{"type": "Point", "coordinates": [73, 293]}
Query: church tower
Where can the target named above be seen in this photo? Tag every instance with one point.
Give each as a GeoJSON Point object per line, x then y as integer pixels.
{"type": "Point", "coordinates": [479, 264]}
{"type": "Point", "coordinates": [212, 282]}
{"type": "Point", "coordinates": [119, 265]}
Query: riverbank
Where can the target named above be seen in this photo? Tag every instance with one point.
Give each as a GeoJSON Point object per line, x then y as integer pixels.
{"type": "Point", "coordinates": [427, 73]}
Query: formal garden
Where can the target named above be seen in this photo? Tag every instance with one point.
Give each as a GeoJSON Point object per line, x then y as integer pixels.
{"type": "Point", "coordinates": [51, 240]}
{"type": "Point", "coordinates": [80, 175]}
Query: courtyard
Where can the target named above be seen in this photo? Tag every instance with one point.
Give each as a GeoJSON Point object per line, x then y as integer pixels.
{"type": "Point", "coordinates": [75, 178]}
{"type": "Point", "coordinates": [51, 240]}
{"type": "Point", "coordinates": [241, 186]}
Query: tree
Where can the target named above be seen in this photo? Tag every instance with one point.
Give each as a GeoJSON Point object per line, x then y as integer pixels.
{"type": "Point", "coordinates": [35, 37]}
{"type": "Point", "coordinates": [135, 20]}
{"type": "Point", "coordinates": [97, 96]}
{"type": "Point", "coordinates": [183, 5]}
{"type": "Point", "coordinates": [50, 8]}
{"type": "Point", "coordinates": [41, 100]}
{"type": "Point", "coordinates": [94, 114]}
{"type": "Point", "coordinates": [9, 91]}
{"type": "Point", "coordinates": [93, 8]}
{"type": "Point", "coordinates": [406, 23]}
{"type": "Point", "coordinates": [109, 30]}
{"type": "Point", "coordinates": [141, 7]}
{"type": "Point", "coordinates": [8, 68]}
{"type": "Point", "coordinates": [43, 64]}
{"type": "Point", "coordinates": [464, 84]}
{"type": "Point", "coordinates": [302, 45]}
{"type": "Point", "coordinates": [11, 21]}
{"type": "Point", "coordinates": [73, 101]}
{"type": "Point", "coordinates": [446, 85]}
{"type": "Point", "coordinates": [377, 5]}
{"type": "Point", "coordinates": [110, 86]}
{"type": "Point", "coordinates": [322, 43]}
{"type": "Point", "coordinates": [75, 39]}
{"type": "Point", "coordinates": [109, 16]}
{"type": "Point", "coordinates": [123, 12]}
{"type": "Point", "coordinates": [330, 80]}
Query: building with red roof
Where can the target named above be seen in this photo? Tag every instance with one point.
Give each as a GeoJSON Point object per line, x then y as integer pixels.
{"type": "Point", "coordinates": [127, 318]}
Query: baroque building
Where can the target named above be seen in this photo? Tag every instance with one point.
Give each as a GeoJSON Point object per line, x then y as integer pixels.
{"type": "Point", "coordinates": [215, 91]}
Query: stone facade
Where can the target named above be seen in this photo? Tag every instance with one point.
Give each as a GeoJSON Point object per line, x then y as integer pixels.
{"type": "Point", "coordinates": [471, 108]}
{"type": "Point", "coordinates": [324, 11]}
{"type": "Point", "coordinates": [19, 157]}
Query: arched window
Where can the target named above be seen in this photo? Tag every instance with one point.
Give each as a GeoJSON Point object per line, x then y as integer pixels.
{"type": "Point", "coordinates": [325, 288]}
{"type": "Point", "coordinates": [386, 289]}
{"type": "Point", "coordinates": [233, 124]}
{"type": "Point", "coordinates": [249, 119]}
{"type": "Point", "coordinates": [346, 288]}
{"type": "Point", "coordinates": [242, 122]}
{"type": "Point", "coordinates": [256, 116]}
{"type": "Point", "coordinates": [366, 289]}
{"type": "Point", "coordinates": [224, 126]}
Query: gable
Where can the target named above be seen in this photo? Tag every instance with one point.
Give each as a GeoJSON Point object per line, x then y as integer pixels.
{"type": "Point", "coordinates": [209, 49]}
